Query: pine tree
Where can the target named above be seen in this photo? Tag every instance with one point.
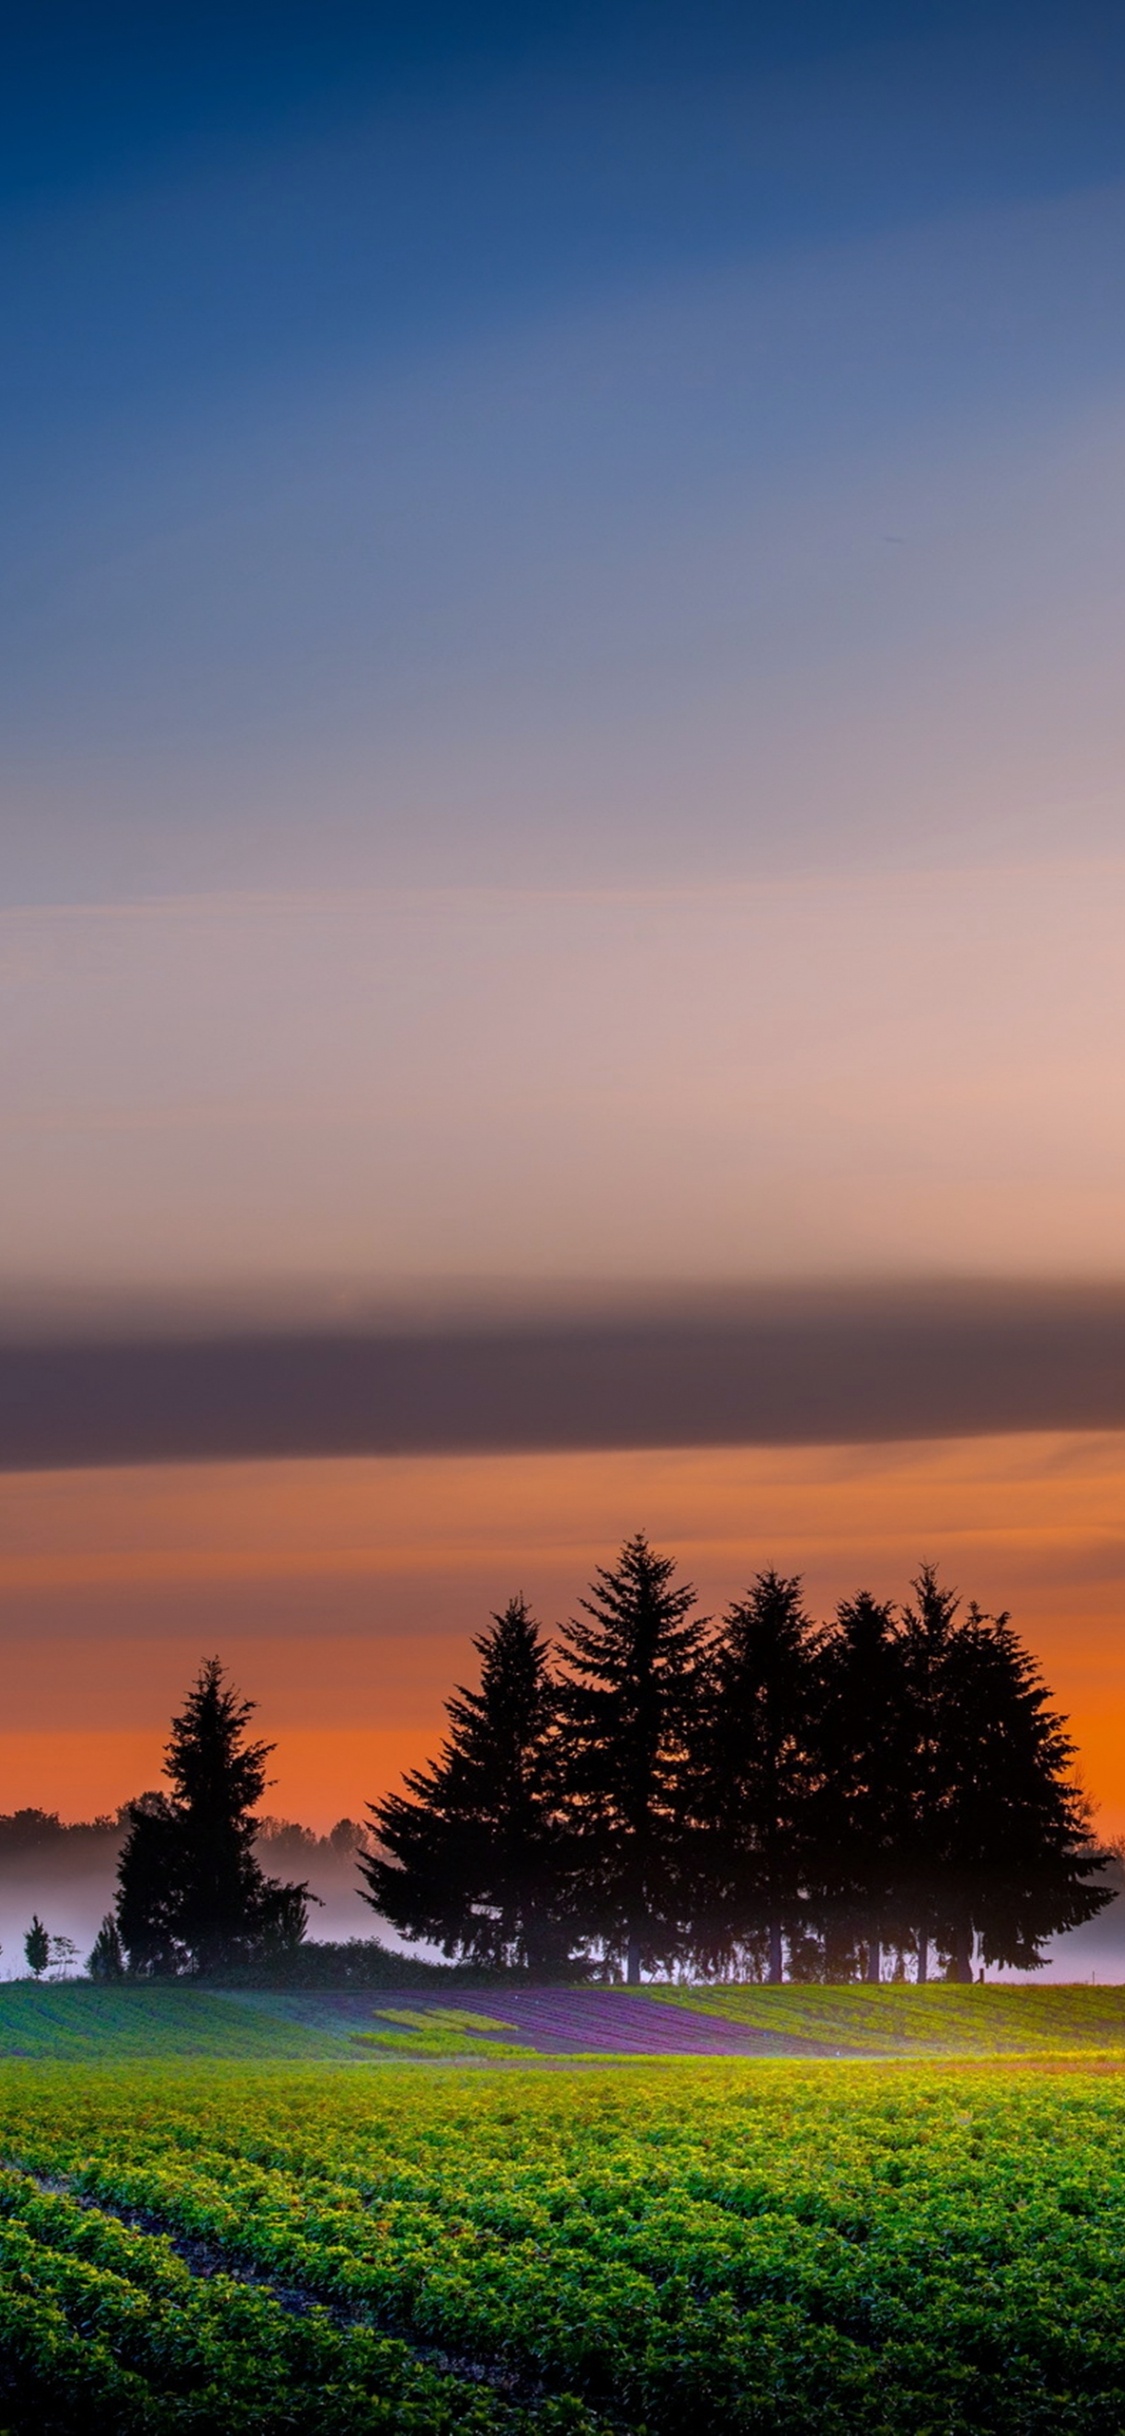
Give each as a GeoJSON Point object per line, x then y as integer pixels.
{"type": "Point", "coordinates": [928, 1629]}
{"type": "Point", "coordinates": [106, 1959]}
{"type": "Point", "coordinates": [469, 1856]}
{"type": "Point", "coordinates": [191, 1894]}
{"type": "Point", "coordinates": [862, 1804]}
{"type": "Point", "coordinates": [1001, 1849]}
{"type": "Point", "coordinates": [37, 1947]}
{"type": "Point", "coordinates": [628, 1703]}
{"type": "Point", "coordinates": [753, 1778]}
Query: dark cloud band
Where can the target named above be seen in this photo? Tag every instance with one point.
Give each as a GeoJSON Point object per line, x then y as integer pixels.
{"type": "Point", "coordinates": [812, 1368]}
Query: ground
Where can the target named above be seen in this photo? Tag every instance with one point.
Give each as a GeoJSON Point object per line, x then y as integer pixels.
{"type": "Point", "coordinates": [241, 2216]}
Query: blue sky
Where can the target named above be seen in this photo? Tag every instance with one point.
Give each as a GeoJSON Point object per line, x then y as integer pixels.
{"type": "Point", "coordinates": [424, 430]}
{"type": "Point", "coordinates": [475, 476]}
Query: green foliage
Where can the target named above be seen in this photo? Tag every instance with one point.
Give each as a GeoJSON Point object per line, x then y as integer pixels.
{"type": "Point", "coordinates": [105, 2326]}
{"type": "Point", "coordinates": [811, 2250]}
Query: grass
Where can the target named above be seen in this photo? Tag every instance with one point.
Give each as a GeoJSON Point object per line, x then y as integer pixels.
{"type": "Point", "coordinates": [80, 2022]}
{"type": "Point", "coordinates": [938, 2021]}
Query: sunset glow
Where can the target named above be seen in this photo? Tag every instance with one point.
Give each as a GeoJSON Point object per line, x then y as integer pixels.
{"type": "Point", "coordinates": [344, 1594]}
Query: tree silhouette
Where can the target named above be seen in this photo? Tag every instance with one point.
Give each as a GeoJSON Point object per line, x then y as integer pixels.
{"type": "Point", "coordinates": [469, 1857]}
{"type": "Point", "coordinates": [37, 1947]}
{"type": "Point", "coordinates": [862, 1807]}
{"type": "Point", "coordinates": [191, 1894]}
{"type": "Point", "coordinates": [627, 1702]}
{"type": "Point", "coordinates": [1001, 1847]}
{"type": "Point", "coordinates": [754, 1775]}
{"type": "Point", "coordinates": [106, 1959]}
{"type": "Point", "coordinates": [768, 1795]}
{"type": "Point", "coordinates": [928, 1629]}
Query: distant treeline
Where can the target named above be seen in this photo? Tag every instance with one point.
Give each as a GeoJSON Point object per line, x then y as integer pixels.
{"type": "Point", "coordinates": [757, 1796]}
{"type": "Point", "coordinates": [283, 1843]}
{"type": "Point", "coordinates": [24, 1831]}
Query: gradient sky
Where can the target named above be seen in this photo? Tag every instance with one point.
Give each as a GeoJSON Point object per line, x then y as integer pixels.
{"type": "Point", "coordinates": [560, 643]}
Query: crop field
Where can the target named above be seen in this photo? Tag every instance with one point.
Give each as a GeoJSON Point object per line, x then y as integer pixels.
{"type": "Point", "coordinates": [83, 2022]}
{"type": "Point", "coordinates": [753, 2246]}
{"type": "Point", "coordinates": [80, 2022]}
{"type": "Point", "coordinates": [903, 2020]}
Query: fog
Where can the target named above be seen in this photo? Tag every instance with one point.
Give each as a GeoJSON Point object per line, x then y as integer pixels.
{"type": "Point", "coordinates": [66, 1876]}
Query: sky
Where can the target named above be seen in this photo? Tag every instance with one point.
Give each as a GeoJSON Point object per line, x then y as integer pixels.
{"type": "Point", "coordinates": [561, 746]}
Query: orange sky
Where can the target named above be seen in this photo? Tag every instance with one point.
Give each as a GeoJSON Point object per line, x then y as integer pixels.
{"type": "Point", "coordinates": [343, 1592]}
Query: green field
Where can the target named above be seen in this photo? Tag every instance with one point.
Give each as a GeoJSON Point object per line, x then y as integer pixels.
{"type": "Point", "coordinates": [767, 2247]}
{"type": "Point", "coordinates": [938, 2020]}
{"type": "Point", "coordinates": [80, 2022]}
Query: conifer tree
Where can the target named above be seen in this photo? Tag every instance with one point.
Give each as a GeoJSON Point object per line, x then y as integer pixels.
{"type": "Point", "coordinates": [628, 1701]}
{"type": "Point", "coordinates": [191, 1894]}
{"type": "Point", "coordinates": [864, 1780]}
{"type": "Point", "coordinates": [1001, 1850]}
{"type": "Point", "coordinates": [469, 1856]}
{"type": "Point", "coordinates": [754, 1775]}
{"type": "Point", "coordinates": [106, 1959]}
{"type": "Point", "coordinates": [37, 1947]}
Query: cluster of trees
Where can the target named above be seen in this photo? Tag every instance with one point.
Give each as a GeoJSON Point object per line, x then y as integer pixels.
{"type": "Point", "coordinates": [748, 1798]}
{"type": "Point", "coordinates": [57, 1860]}
{"type": "Point", "coordinates": [763, 1795]}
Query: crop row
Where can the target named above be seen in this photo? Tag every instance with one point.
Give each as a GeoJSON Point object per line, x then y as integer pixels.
{"type": "Point", "coordinates": [104, 2326]}
{"type": "Point", "coordinates": [991, 2020]}
{"type": "Point", "coordinates": [772, 2248]}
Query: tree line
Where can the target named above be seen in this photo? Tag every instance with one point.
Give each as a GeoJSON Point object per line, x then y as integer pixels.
{"type": "Point", "coordinates": [759, 1796]}
{"type": "Point", "coordinates": [754, 1797]}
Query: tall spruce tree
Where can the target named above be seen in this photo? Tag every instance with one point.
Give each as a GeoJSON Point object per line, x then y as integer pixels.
{"type": "Point", "coordinates": [470, 1856]}
{"type": "Point", "coordinates": [928, 1629]}
{"type": "Point", "coordinates": [862, 1805]}
{"type": "Point", "coordinates": [1019, 1826]}
{"type": "Point", "coordinates": [753, 1778]}
{"type": "Point", "coordinates": [191, 1896]}
{"type": "Point", "coordinates": [628, 1701]}
{"type": "Point", "coordinates": [1001, 1850]}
